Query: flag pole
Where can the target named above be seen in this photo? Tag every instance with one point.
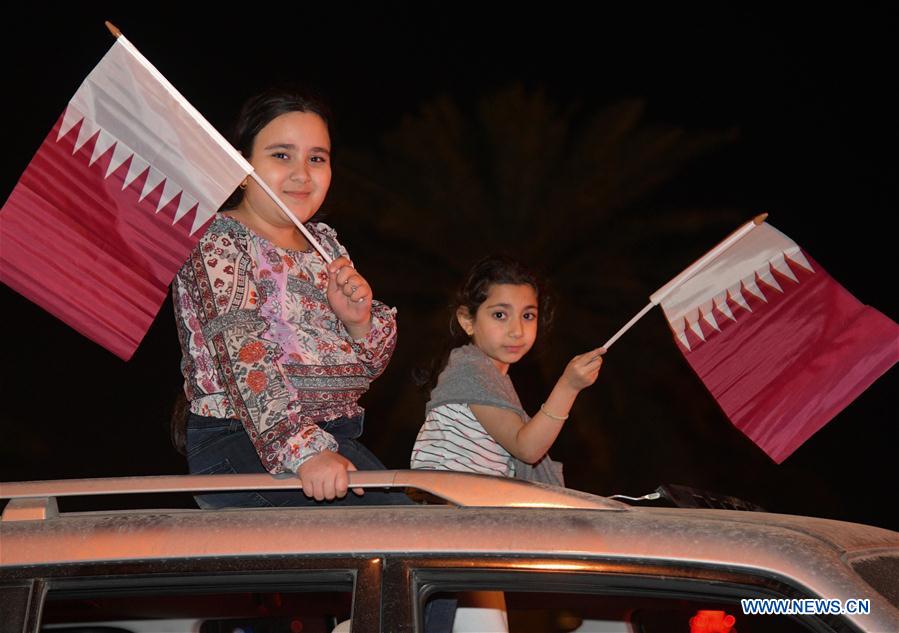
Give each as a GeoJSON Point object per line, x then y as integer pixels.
{"type": "Point", "coordinates": [628, 325]}
{"type": "Point", "coordinates": [659, 295]}
{"type": "Point", "coordinates": [116, 33]}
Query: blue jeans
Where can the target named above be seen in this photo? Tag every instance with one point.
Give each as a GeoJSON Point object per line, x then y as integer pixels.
{"type": "Point", "coordinates": [222, 446]}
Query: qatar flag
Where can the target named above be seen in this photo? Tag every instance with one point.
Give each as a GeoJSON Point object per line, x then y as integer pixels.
{"type": "Point", "coordinates": [778, 342]}
{"type": "Point", "coordinates": [114, 200]}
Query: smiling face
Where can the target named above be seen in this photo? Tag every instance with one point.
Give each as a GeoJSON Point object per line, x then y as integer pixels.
{"type": "Point", "coordinates": [292, 154]}
{"type": "Point", "coordinates": [505, 324]}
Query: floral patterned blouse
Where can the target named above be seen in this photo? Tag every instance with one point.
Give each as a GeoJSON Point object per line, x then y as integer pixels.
{"type": "Point", "coordinates": [261, 344]}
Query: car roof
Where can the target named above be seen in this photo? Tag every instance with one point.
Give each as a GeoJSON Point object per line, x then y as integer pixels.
{"type": "Point", "coordinates": [30, 501]}
{"type": "Point", "coordinates": [503, 517]}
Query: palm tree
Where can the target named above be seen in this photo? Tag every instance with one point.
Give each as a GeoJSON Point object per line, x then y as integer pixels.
{"type": "Point", "coordinates": [569, 189]}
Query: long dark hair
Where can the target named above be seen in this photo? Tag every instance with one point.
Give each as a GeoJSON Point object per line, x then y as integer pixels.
{"type": "Point", "coordinates": [491, 270]}
{"type": "Point", "coordinates": [178, 423]}
{"type": "Point", "coordinates": [261, 109]}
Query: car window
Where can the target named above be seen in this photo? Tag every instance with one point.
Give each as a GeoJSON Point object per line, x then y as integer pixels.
{"type": "Point", "coordinates": [561, 612]}
{"type": "Point", "coordinates": [213, 605]}
{"type": "Point", "coordinates": [526, 598]}
{"type": "Point", "coordinates": [14, 606]}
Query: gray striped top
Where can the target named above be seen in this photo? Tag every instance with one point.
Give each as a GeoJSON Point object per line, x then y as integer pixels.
{"type": "Point", "coordinates": [451, 438]}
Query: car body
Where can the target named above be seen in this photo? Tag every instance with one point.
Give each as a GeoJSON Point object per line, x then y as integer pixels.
{"type": "Point", "coordinates": [561, 560]}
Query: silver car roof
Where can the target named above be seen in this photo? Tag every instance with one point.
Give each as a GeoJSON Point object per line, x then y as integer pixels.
{"type": "Point", "coordinates": [503, 518]}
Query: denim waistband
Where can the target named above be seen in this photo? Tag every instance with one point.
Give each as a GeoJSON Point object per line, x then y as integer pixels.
{"type": "Point", "coordinates": [344, 426]}
{"type": "Point", "coordinates": [204, 421]}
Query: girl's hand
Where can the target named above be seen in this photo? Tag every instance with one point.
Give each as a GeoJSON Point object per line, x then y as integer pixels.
{"type": "Point", "coordinates": [325, 477]}
{"type": "Point", "coordinates": [349, 296]}
{"type": "Point", "coordinates": [582, 371]}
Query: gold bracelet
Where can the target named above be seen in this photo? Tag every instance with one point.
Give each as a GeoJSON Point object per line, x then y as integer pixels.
{"type": "Point", "coordinates": [550, 415]}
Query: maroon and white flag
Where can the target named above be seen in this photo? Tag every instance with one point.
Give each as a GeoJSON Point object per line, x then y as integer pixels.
{"type": "Point", "coordinates": [782, 347]}
{"type": "Point", "coordinates": [113, 201]}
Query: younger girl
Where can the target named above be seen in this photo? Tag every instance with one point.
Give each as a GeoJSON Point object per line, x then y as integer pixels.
{"type": "Point", "coordinates": [475, 421]}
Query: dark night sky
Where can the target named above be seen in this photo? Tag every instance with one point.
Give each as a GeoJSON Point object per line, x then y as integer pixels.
{"type": "Point", "coordinates": [805, 99]}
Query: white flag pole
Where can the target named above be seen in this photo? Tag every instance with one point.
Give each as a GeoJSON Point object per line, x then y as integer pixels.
{"type": "Point", "coordinates": [328, 259]}
{"type": "Point", "coordinates": [628, 325]}
{"type": "Point", "coordinates": [659, 295]}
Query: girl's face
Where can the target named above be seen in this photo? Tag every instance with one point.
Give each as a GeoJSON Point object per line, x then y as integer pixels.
{"type": "Point", "coordinates": [292, 154]}
{"type": "Point", "coordinates": [505, 324]}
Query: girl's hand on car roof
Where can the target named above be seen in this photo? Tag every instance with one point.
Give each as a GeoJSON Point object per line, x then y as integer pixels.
{"type": "Point", "coordinates": [324, 476]}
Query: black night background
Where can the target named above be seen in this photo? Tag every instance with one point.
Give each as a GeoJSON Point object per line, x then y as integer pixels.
{"type": "Point", "coordinates": [609, 147]}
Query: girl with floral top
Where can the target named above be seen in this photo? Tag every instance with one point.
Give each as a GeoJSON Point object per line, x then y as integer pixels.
{"type": "Point", "coordinates": [278, 345]}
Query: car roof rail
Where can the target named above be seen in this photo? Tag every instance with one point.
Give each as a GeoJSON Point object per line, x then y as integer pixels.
{"type": "Point", "coordinates": [35, 500]}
